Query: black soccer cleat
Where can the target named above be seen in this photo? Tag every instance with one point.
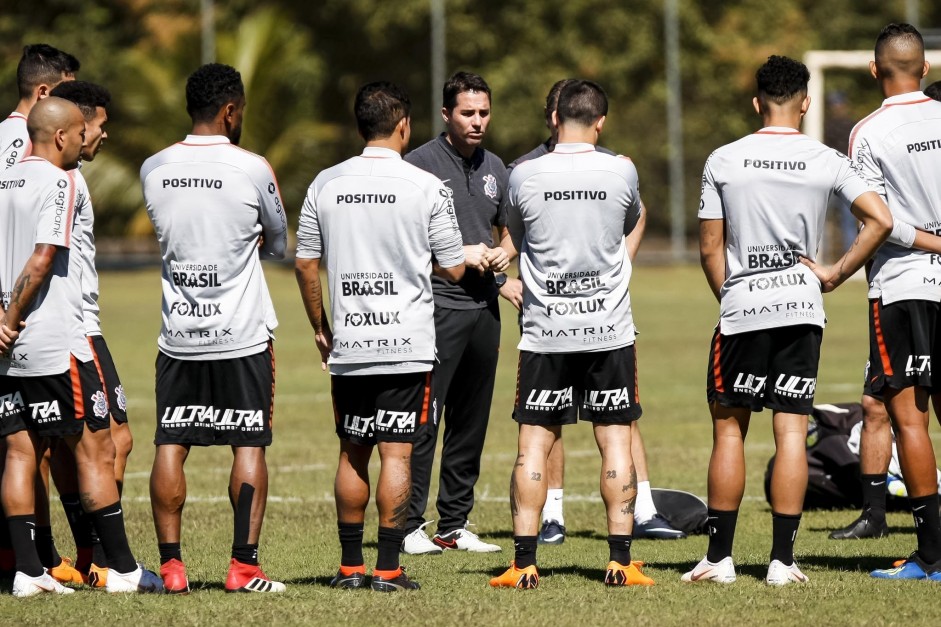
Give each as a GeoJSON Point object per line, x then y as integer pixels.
{"type": "Point", "coordinates": [392, 581]}
{"type": "Point", "coordinates": [349, 577]}
{"type": "Point", "coordinates": [657, 528]}
{"type": "Point", "coordinates": [863, 527]}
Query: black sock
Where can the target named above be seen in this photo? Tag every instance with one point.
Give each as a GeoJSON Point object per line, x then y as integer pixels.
{"type": "Point", "coordinates": [98, 556]}
{"type": "Point", "coordinates": [22, 529]}
{"type": "Point", "coordinates": [351, 543]}
{"type": "Point", "coordinates": [784, 532]}
{"type": "Point", "coordinates": [246, 553]}
{"type": "Point", "coordinates": [5, 542]}
{"type": "Point", "coordinates": [927, 527]}
{"type": "Point", "coordinates": [46, 547]}
{"type": "Point", "coordinates": [390, 542]}
{"type": "Point", "coordinates": [721, 534]}
{"type": "Point", "coordinates": [79, 522]}
{"type": "Point", "coordinates": [525, 551]}
{"type": "Point", "coordinates": [619, 549]}
{"type": "Point", "coordinates": [169, 551]}
{"type": "Point", "coordinates": [109, 521]}
{"type": "Point", "coordinates": [874, 496]}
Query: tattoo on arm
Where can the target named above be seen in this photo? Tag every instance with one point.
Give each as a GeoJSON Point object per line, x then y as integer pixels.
{"type": "Point", "coordinates": [21, 284]}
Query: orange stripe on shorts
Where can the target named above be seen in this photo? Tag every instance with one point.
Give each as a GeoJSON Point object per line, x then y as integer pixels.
{"type": "Point", "coordinates": [716, 370]}
{"type": "Point", "coordinates": [76, 381]}
{"type": "Point", "coordinates": [880, 340]}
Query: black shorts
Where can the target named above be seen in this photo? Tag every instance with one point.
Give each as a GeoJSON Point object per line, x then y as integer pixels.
{"type": "Point", "coordinates": [773, 368]}
{"type": "Point", "coordinates": [227, 402]}
{"type": "Point", "coordinates": [117, 401]}
{"type": "Point", "coordinates": [903, 341]}
{"type": "Point", "coordinates": [560, 388]}
{"type": "Point", "coordinates": [380, 408]}
{"type": "Point", "coordinates": [867, 384]}
{"type": "Point", "coordinates": [54, 405]}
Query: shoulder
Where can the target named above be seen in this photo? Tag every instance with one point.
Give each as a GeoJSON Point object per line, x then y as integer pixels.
{"type": "Point", "coordinates": [869, 126]}
{"type": "Point", "coordinates": [423, 153]}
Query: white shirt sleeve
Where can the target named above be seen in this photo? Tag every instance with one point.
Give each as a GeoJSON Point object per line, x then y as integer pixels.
{"type": "Point", "coordinates": [273, 221]}
{"type": "Point", "coordinates": [710, 202]}
{"type": "Point", "coordinates": [309, 244]}
{"type": "Point", "coordinates": [443, 232]}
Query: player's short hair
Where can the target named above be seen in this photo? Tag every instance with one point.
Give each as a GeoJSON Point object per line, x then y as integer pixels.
{"type": "Point", "coordinates": [552, 98]}
{"type": "Point", "coordinates": [780, 79]}
{"type": "Point", "coordinates": [41, 63]}
{"type": "Point", "coordinates": [86, 96]}
{"type": "Point", "coordinates": [582, 102]}
{"type": "Point", "coordinates": [459, 83]}
{"type": "Point", "coordinates": [934, 90]}
{"type": "Point", "coordinates": [379, 107]}
{"type": "Point", "coordinates": [901, 38]}
{"type": "Point", "coordinates": [210, 88]}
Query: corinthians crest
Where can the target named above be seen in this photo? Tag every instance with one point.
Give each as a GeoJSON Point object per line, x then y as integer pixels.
{"type": "Point", "coordinates": [490, 185]}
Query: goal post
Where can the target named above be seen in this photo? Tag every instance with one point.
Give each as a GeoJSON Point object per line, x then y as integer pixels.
{"type": "Point", "coordinates": [819, 61]}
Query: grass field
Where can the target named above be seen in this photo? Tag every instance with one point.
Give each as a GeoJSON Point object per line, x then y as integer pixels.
{"type": "Point", "coordinates": [675, 313]}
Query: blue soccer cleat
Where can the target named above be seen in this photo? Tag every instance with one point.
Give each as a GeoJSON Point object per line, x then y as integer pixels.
{"type": "Point", "coordinates": [912, 568]}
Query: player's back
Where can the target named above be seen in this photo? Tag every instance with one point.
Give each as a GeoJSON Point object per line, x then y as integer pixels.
{"type": "Point", "coordinates": [374, 213]}
{"type": "Point", "coordinates": [898, 149]}
{"type": "Point", "coordinates": [37, 205]}
{"type": "Point", "coordinates": [14, 140]}
{"type": "Point", "coordinates": [773, 188]}
{"type": "Point", "coordinates": [205, 199]}
{"type": "Point", "coordinates": [575, 205]}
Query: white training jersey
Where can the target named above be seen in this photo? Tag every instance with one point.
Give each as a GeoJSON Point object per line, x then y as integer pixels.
{"type": "Point", "coordinates": [37, 206]}
{"type": "Point", "coordinates": [377, 221]}
{"type": "Point", "coordinates": [772, 188]}
{"type": "Point", "coordinates": [571, 209]}
{"type": "Point", "coordinates": [14, 140]}
{"type": "Point", "coordinates": [212, 204]}
{"type": "Point", "coordinates": [86, 218]}
{"type": "Point", "coordinates": [897, 148]}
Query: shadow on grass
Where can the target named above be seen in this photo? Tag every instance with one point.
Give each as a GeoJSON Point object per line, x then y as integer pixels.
{"type": "Point", "coordinates": [591, 574]}
{"type": "Point", "coordinates": [900, 530]}
{"type": "Point", "coordinates": [858, 563]}
{"type": "Point", "coordinates": [582, 533]}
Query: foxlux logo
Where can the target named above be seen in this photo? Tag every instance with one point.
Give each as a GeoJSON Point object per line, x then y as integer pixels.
{"type": "Point", "coordinates": [776, 282]}
{"type": "Point", "coordinates": [795, 387]}
{"type": "Point", "coordinates": [607, 399]}
{"type": "Point", "coordinates": [576, 194]}
{"type": "Point", "coordinates": [746, 383]}
{"type": "Point", "coordinates": [195, 310]}
{"type": "Point", "coordinates": [208, 416]}
{"type": "Point", "coordinates": [918, 364]}
{"type": "Point", "coordinates": [545, 400]}
{"type": "Point", "coordinates": [371, 319]}
{"type": "Point", "coordinates": [570, 309]}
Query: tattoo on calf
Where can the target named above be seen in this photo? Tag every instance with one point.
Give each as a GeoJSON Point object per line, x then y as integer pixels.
{"type": "Point", "coordinates": [611, 474]}
{"type": "Point", "coordinates": [535, 476]}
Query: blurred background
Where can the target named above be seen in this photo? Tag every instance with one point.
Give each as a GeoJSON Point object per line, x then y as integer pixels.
{"type": "Point", "coordinates": [679, 75]}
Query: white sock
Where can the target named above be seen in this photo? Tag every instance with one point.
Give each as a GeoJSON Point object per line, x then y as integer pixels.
{"type": "Point", "coordinates": [644, 509]}
{"type": "Point", "coordinates": [552, 510]}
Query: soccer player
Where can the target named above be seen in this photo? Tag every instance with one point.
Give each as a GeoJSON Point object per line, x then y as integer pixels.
{"type": "Point", "coordinates": [467, 319]}
{"type": "Point", "coordinates": [217, 212]}
{"type": "Point", "coordinates": [382, 345]}
{"type": "Point", "coordinates": [50, 385]}
{"type": "Point", "coordinates": [648, 523]}
{"type": "Point", "coordinates": [763, 207]}
{"type": "Point", "coordinates": [40, 69]}
{"type": "Point", "coordinates": [91, 561]}
{"type": "Point", "coordinates": [577, 346]}
{"type": "Point", "coordinates": [895, 152]}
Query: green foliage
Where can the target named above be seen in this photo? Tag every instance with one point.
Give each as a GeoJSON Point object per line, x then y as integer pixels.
{"type": "Point", "coordinates": [303, 62]}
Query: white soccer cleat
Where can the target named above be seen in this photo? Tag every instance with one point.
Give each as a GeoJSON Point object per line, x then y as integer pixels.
{"type": "Point", "coordinates": [418, 543]}
{"type": "Point", "coordinates": [140, 580]}
{"type": "Point", "coordinates": [464, 540]}
{"type": "Point", "coordinates": [721, 572]}
{"type": "Point", "coordinates": [781, 575]}
{"type": "Point", "coordinates": [26, 586]}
